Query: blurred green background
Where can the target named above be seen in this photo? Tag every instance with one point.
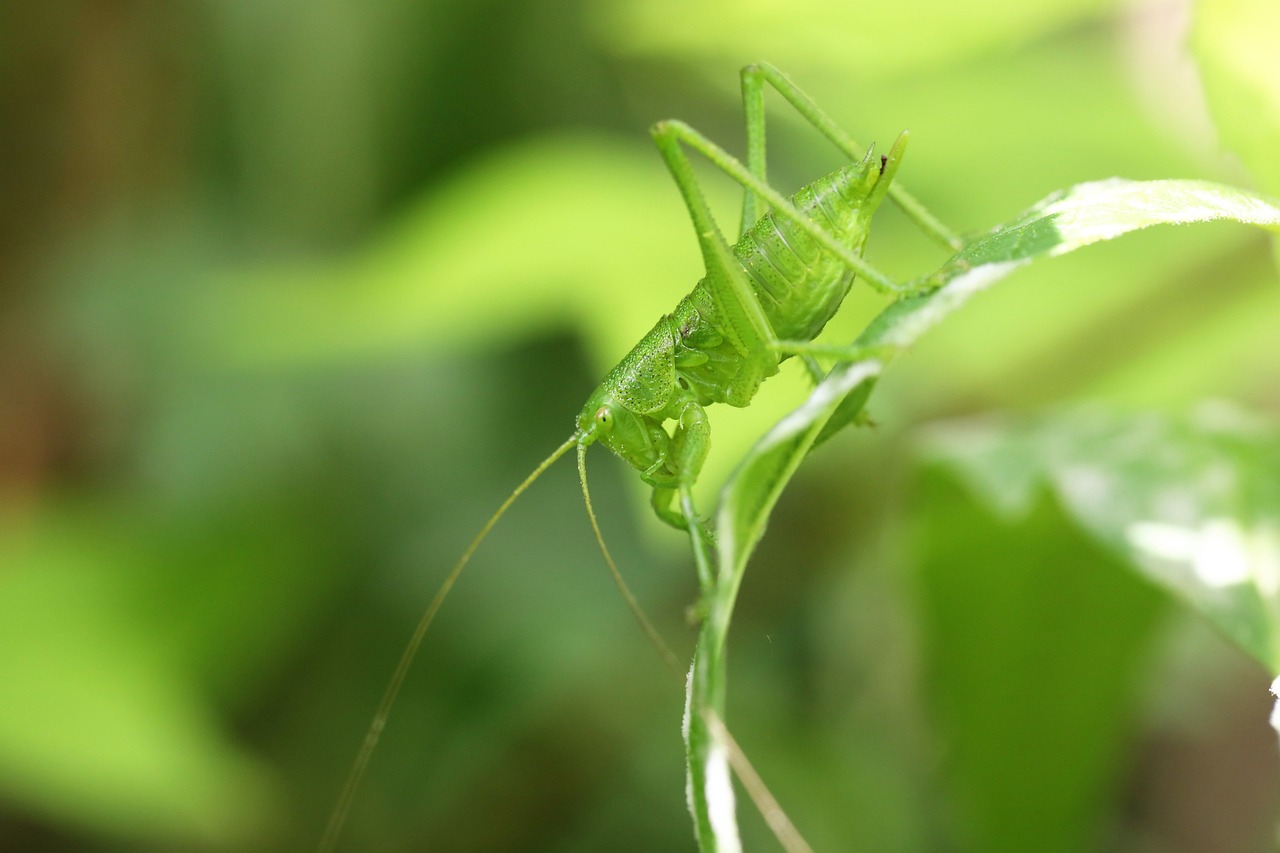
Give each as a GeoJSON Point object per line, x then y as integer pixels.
{"type": "Point", "coordinates": [292, 294]}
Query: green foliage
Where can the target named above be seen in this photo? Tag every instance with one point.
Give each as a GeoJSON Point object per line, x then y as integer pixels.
{"type": "Point", "coordinates": [1033, 642]}
{"type": "Point", "coordinates": [858, 40]}
{"type": "Point", "coordinates": [1216, 503]}
{"type": "Point", "coordinates": [114, 732]}
{"type": "Point", "coordinates": [293, 294]}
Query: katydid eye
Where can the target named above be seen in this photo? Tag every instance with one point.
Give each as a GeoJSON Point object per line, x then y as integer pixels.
{"type": "Point", "coordinates": [604, 418]}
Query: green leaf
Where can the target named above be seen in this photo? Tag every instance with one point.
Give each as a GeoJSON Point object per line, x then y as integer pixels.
{"type": "Point", "coordinates": [1192, 502]}
{"type": "Point", "coordinates": [112, 733]}
{"type": "Point", "coordinates": [1102, 210]}
{"type": "Point", "coordinates": [527, 238]}
{"type": "Point", "coordinates": [1015, 620]}
{"type": "Point", "coordinates": [1082, 215]}
{"type": "Point", "coordinates": [1077, 217]}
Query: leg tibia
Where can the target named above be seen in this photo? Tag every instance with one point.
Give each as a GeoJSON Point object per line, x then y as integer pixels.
{"type": "Point", "coordinates": [838, 352]}
{"type": "Point", "coordinates": [753, 79]}
{"type": "Point", "coordinates": [743, 320]}
{"type": "Point", "coordinates": [690, 444]}
{"type": "Point", "coordinates": [670, 134]}
{"type": "Point", "coordinates": [661, 502]}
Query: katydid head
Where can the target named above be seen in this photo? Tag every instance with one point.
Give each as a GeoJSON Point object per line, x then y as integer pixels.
{"type": "Point", "coordinates": [634, 438]}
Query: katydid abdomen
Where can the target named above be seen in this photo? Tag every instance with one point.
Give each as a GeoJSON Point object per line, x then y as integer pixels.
{"type": "Point", "coordinates": [800, 284]}
{"type": "Point", "coordinates": [776, 285]}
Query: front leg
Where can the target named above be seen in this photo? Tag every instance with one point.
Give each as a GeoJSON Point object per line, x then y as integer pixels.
{"type": "Point", "coordinates": [690, 444]}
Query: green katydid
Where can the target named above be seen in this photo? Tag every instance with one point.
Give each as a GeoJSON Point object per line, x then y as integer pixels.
{"type": "Point", "coordinates": [761, 301]}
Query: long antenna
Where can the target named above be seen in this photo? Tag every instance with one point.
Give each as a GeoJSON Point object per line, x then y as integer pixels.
{"type": "Point", "coordinates": [783, 829]}
{"type": "Point", "coordinates": [339, 816]}
{"type": "Point", "coordinates": [632, 604]}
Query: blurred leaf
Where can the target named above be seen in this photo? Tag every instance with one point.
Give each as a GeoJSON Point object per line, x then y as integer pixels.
{"type": "Point", "coordinates": [1193, 502]}
{"type": "Point", "coordinates": [860, 38]}
{"type": "Point", "coordinates": [1275, 708]}
{"type": "Point", "coordinates": [542, 235]}
{"type": "Point", "coordinates": [1235, 43]}
{"type": "Point", "coordinates": [1031, 638]}
{"type": "Point", "coordinates": [112, 732]}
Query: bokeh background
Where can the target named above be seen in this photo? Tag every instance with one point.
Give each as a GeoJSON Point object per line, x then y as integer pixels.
{"type": "Point", "coordinates": [293, 293]}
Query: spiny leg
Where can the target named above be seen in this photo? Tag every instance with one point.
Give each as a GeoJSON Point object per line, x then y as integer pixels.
{"type": "Point", "coordinates": [699, 535]}
{"type": "Point", "coordinates": [753, 205]}
{"type": "Point", "coordinates": [660, 502]}
{"type": "Point", "coordinates": [663, 502]}
{"type": "Point", "coordinates": [753, 79]}
{"type": "Point", "coordinates": [811, 367]}
{"type": "Point", "coordinates": [671, 133]}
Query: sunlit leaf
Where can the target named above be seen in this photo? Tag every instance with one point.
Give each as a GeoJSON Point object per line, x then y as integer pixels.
{"type": "Point", "coordinates": [1235, 43]}
{"type": "Point", "coordinates": [1082, 215]}
{"type": "Point", "coordinates": [1193, 502]}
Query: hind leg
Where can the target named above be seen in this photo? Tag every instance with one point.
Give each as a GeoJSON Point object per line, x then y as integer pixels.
{"type": "Point", "coordinates": [754, 78]}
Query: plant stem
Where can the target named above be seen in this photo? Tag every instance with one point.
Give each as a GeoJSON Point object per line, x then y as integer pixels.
{"type": "Point", "coordinates": [711, 798]}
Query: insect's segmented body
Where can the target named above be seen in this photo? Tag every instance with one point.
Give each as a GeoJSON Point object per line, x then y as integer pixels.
{"type": "Point", "coordinates": [800, 284]}
{"type": "Point", "coordinates": [693, 357]}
